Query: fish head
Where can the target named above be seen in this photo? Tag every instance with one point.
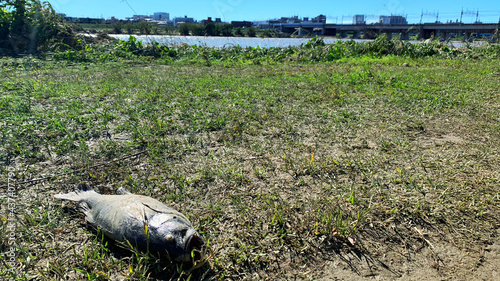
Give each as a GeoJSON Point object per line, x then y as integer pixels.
{"type": "Point", "coordinates": [175, 234]}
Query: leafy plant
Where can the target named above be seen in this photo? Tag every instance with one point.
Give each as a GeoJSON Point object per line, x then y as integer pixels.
{"type": "Point", "coordinates": [32, 26]}
{"type": "Point", "coordinates": [315, 42]}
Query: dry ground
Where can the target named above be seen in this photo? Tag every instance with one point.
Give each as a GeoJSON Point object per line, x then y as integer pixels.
{"type": "Point", "coordinates": [380, 169]}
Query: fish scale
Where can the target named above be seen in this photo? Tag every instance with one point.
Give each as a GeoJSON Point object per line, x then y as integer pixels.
{"type": "Point", "coordinates": [124, 217]}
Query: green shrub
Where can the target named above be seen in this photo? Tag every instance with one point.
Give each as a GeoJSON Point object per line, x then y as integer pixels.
{"type": "Point", "coordinates": [315, 50]}
{"type": "Point", "coordinates": [226, 29]}
{"type": "Point", "coordinates": [211, 29]}
{"type": "Point", "coordinates": [184, 29]}
{"type": "Point", "coordinates": [118, 27]}
{"type": "Point", "coordinates": [198, 29]}
{"type": "Point", "coordinates": [251, 32]}
{"type": "Point", "coordinates": [239, 32]}
{"type": "Point", "coordinates": [30, 26]}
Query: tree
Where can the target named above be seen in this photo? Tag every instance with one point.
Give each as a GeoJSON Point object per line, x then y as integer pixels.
{"type": "Point", "coordinates": [4, 23]}
{"type": "Point", "coordinates": [144, 27]}
{"type": "Point", "coordinates": [226, 29]}
{"type": "Point", "coordinates": [267, 33]}
{"type": "Point", "coordinates": [117, 27]}
{"type": "Point", "coordinates": [238, 32]}
{"type": "Point", "coordinates": [184, 29]}
{"type": "Point", "coordinates": [169, 29]}
{"type": "Point", "coordinates": [211, 29]}
{"type": "Point", "coordinates": [251, 32]}
{"type": "Point", "coordinates": [129, 27]}
{"type": "Point", "coordinates": [198, 29]}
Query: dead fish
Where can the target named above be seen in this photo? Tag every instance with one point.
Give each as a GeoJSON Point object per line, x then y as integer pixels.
{"type": "Point", "coordinates": [139, 220]}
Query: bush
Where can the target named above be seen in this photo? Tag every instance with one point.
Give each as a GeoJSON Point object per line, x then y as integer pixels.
{"type": "Point", "coordinates": [144, 28]}
{"type": "Point", "coordinates": [267, 33]}
{"type": "Point", "coordinates": [33, 26]}
{"type": "Point", "coordinates": [251, 32]}
{"type": "Point", "coordinates": [198, 29]}
{"type": "Point", "coordinates": [211, 29]}
{"type": "Point", "coordinates": [226, 29]}
{"type": "Point", "coordinates": [117, 27]}
{"type": "Point", "coordinates": [239, 32]}
{"type": "Point", "coordinates": [184, 29]}
{"type": "Point", "coordinates": [315, 42]}
{"type": "Point", "coordinates": [129, 26]}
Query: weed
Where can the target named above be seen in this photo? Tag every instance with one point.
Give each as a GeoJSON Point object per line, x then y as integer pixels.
{"type": "Point", "coordinates": [280, 166]}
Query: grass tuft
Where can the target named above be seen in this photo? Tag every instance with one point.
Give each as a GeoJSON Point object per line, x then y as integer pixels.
{"type": "Point", "coordinates": [282, 165]}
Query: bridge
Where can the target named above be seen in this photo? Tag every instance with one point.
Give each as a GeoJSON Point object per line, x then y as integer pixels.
{"type": "Point", "coordinates": [424, 31]}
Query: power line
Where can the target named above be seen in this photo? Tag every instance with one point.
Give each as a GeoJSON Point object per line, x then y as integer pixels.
{"type": "Point", "coordinates": [135, 13]}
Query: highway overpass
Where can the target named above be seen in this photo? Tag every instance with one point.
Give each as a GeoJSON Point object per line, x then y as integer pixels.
{"type": "Point", "coordinates": [424, 31]}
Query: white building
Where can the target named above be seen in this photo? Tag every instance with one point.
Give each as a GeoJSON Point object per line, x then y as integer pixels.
{"type": "Point", "coordinates": [161, 16]}
{"type": "Point", "coordinates": [140, 17]}
{"type": "Point", "coordinates": [358, 19]}
{"type": "Point", "coordinates": [387, 20]}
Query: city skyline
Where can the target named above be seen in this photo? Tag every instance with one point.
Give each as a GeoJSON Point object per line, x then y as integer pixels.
{"type": "Point", "coordinates": [237, 10]}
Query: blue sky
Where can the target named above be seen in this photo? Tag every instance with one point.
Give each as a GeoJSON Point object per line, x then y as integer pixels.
{"type": "Point", "coordinates": [336, 11]}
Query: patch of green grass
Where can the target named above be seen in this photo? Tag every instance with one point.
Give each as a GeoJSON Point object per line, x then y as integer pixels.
{"type": "Point", "coordinates": [280, 167]}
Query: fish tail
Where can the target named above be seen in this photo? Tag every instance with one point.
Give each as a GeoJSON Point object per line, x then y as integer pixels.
{"type": "Point", "coordinates": [82, 192]}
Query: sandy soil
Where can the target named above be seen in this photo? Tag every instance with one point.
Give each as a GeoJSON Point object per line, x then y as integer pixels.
{"type": "Point", "coordinates": [442, 261]}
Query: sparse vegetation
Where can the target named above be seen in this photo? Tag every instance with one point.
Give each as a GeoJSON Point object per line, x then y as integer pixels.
{"type": "Point", "coordinates": [313, 51]}
{"type": "Point", "coordinates": [289, 161]}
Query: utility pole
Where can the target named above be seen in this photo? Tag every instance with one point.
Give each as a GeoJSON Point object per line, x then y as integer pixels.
{"type": "Point", "coordinates": [461, 15]}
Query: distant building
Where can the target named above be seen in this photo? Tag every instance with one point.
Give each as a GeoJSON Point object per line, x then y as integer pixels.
{"type": "Point", "coordinates": [294, 19]}
{"type": "Point", "coordinates": [358, 19]}
{"type": "Point", "coordinates": [392, 20]}
{"type": "Point", "coordinates": [242, 24]}
{"type": "Point", "coordinates": [141, 17]}
{"type": "Point", "coordinates": [398, 20]}
{"type": "Point", "coordinates": [84, 20]}
{"type": "Point", "coordinates": [207, 21]}
{"type": "Point", "coordinates": [262, 24]}
{"type": "Point", "coordinates": [161, 16]}
{"type": "Point", "coordinates": [320, 19]}
{"type": "Point", "coordinates": [185, 19]}
{"type": "Point", "coordinates": [385, 20]}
